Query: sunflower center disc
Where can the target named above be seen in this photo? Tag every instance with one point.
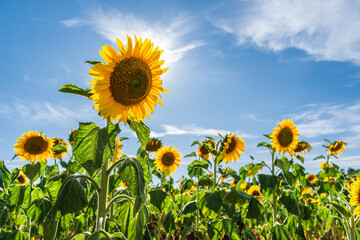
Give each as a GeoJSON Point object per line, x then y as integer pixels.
{"type": "Point", "coordinates": [255, 193]}
{"type": "Point", "coordinates": [300, 147]}
{"type": "Point", "coordinates": [153, 146]}
{"type": "Point", "coordinates": [336, 147]}
{"type": "Point", "coordinates": [285, 137]}
{"type": "Point", "coordinates": [130, 82]}
{"type": "Point", "coordinates": [21, 179]}
{"type": "Point", "coordinates": [232, 146]}
{"type": "Point", "coordinates": [168, 159]}
{"type": "Point", "coordinates": [204, 150]}
{"type": "Point", "coordinates": [35, 145]}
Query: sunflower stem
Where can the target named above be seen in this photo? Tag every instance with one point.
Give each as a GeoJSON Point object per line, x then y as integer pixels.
{"type": "Point", "coordinates": [28, 220]}
{"type": "Point", "coordinates": [102, 200]}
{"type": "Point", "coordinates": [274, 189]}
{"type": "Point", "coordinates": [197, 209]}
{"type": "Point", "coordinates": [159, 218]}
{"type": "Point", "coordinates": [215, 166]}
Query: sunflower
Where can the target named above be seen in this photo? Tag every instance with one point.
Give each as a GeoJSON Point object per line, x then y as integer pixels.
{"type": "Point", "coordinates": [355, 197]}
{"type": "Point", "coordinates": [128, 85]}
{"type": "Point", "coordinates": [254, 190]}
{"type": "Point", "coordinates": [231, 148]}
{"type": "Point", "coordinates": [32, 146]}
{"type": "Point", "coordinates": [323, 164]}
{"type": "Point", "coordinates": [243, 186]}
{"type": "Point", "coordinates": [203, 151]}
{"type": "Point", "coordinates": [153, 145]}
{"type": "Point", "coordinates": [311, 178]}
{"type": "Point", "coordinates": [117, 153]}
{"type": "Point", "coordinates": [336, 147]}
{"type": "Point", "coordinates": [234, 182]}
{"type": "Point", "coordinates": [122, 184]}
{"type": "Point", "coordinates": [22, 178]}
{"type": "Point", "coordinates": [59, 154]}
{"type": "Point", "coordinates": [302, 147]}
{"type": "Point", "coordinates": [284, 137]}
{"type": "Point", "coordinates": [72, 136]}
{"type": "Point", "coordinates": [167, 159]}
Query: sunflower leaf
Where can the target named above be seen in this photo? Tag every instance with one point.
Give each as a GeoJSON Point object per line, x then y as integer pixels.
{"type": "Point", "coordinates": [142, 131]}
{"type": "Point", "coordinates": [193, 154]}
{"type": "Point", "coordinates": [92, 62]}
{"type": "Point", "coordinates": [319, 157]}
{"type": "Point", "coordinates": [73, 89]}
{"type": "Point", "coordinates": [5, 176]}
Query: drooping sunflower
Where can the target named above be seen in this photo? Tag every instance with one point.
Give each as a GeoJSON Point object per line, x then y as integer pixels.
{"type": "Point", "coordinates": [22, 178]}
{"type": "Point", "coordinates": [167, 159]}
{"type": "Point", "coordinates": [32, 146]}
{"type": "Point", "coordinates": [203, 152]}
{"type": "Point", "coordinates": [153, 145]}
{"type": "Point", "coordinates": [355, 197]}
{"type": "Point", "coordinates": [59, 154]}
{"type": "Point", "coordinates": [284, 137]}
{"type": "Point", "coordinates": [311, 178]}
{"type": "Point", "coordinates": [301, 148]}
{"type": "Point", "coordinates": [336, 147]}
{"type": "Point", "coordinates": [231, 148]}
{"type": "Point", "coordinates": [128, 84]}
{"type": "Point", "coordinates": [72, 136]}
{"type": "Point", "coordinates": [254, 190]}
{"type": "Point", "coordinates": [118, 151]}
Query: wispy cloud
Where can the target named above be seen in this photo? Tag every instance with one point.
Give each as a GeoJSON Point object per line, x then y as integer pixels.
{"type": "Point", "coordinates": [194, 130]}
{"type": "Point", "coordinates": [44, 112]}
{"type": "Point", "coordinates": [322, 120]}
{"type": "Point", "coordinates": [171, 35]}
{"type": "Point", "coordinates": [325, 29]}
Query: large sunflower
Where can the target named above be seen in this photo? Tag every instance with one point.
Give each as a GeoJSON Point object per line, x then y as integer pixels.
{"type": "Point", "coordinates": [59, 154]}
{"type": "Point", "coordinates": [355, 197]}
{"type": "Point", "coordinates": [336, 147]}
{"type": "Point", "coordinates": [301, 148]}
{"type": "Point", "coordinates": [203, 152]}
{"type": "Point", "coordinates": [128, 84]}
{"type": "Point", "coordinates": [284, 137]}
{"type": "Point", "coordinates": [167, 159]}
{"type": "Point", "coordinates": [32, 146]}
{"type": "Point", "coordinates": [231, 148]}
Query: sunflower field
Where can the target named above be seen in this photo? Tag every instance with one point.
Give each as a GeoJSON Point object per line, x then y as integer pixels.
{"type": "Point", "coordinates": [95, 191]}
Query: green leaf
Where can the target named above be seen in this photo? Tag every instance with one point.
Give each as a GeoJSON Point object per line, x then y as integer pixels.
{"type": "Point", "coordinates": [137, 225]}
{"type": "Point", "coordinates": [92, 62]}
{"type": "Point", "coordinates": [157, 197]}
{"type": "Point", "coordinates": [205, 181]}
{"type": "Point", "coordinates": [217, 230]}
{"type": "Point", "coordinates": [235, 196]}
{"type": "Point", "coordinates": [132, 174]}
{"type": "Point", "coordinates": [71, 88]}
{"type": "Point", "coordinates": [32, 171]}
{"type": "Point", "coordinates": [187, 184]}
{"type": "Point", "coordinates": [279, 232]}
{"type": "Point", "coordinates": [71, 198]}
{"type": "Point", "coordinates": [188, 208]}
{"type": "Point", "coordinates": [143, 158]}
{"type": "Point", "coordinates": [193, 154]}
{"type": "Point", "coordinates": [199, 164]}
{"type": "Point", "coordinates": [141, 130]}
{"type": "Point", "coordinates": [5, 176]}
{"type": "Point", "coordinates": [38, 209]}
{"type": "Point", "coordinates": [50, 229]}
{"type": "Point", "coordinates": [60, 148]}
{"type": "Point", "coordinates": [248, 234]}
{"type": "Point", "coordinates": [290, 201]}
{"type": "Point", "coordinates": [283, 163]}
{"type": "Point", "coordinates": [254, 209]}
{"type": "Point", "coordinates": [17, 234]}
{"type": "Point", "coordinates": [169, 222]}
{"type": "Point", "coordinates": [264, 144]}
{"type": "Point", "coordinates": [195, 142]}
{"type": "Point", "coordinates": [213, 201]}
{"type": "Point", "coordinates": [342, 210]}
{"type": "Point", "coordinates": [94, 145]}
{"type": "Point", "coordinates": [99, 235]}
{"type": "Point", "coordinates": [319, 157]}
{"type": "Point", "coordinates": [18, 193]}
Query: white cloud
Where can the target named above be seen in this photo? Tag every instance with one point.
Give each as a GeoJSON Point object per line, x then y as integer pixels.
{"type": "Point", "coordinates": [170, 35]}
{"type": "Point", "coordinates": [323, 120]}
{"type": "Point", "coordinates": [325, 29]}
{"type": "Point", "coordinates": [194, 130]}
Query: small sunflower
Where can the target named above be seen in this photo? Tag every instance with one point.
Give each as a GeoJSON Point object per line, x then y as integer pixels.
{"type": "Point", "coordinates": [167, 159]}
{"type": "Point", "coordinates": [254, 190]}
{"type": "Point", "coordinates": [32, 146]}
{"type": "Point", "coordinates": [122, 184]}
{"type": "Point", "coordinates": [22, 178]}
{"type": "Point", "coordinates": [231, 148]}
{"type": "Point", "coordinates": [336, 147]}
{"type": "Point", "coordinates": [323, 164]}
{"type": "Point", "coordinates": [234, 182]}
{"type": "Point", "coordinates": [128, 85]}
{"type": "Point", "coordinates": [284, 137]}
{"type": "Point", "coordinates": [72, 136]}
{"type": "Point", "coordinates": [311, 178]}
{"type": "Point", "coordinates": [301, 148]}
{"type": "Point", "coordinates": [118, 152]}
{"type": "Point", "coordinates": [355, 197]}
{"type": "Point", "coordinates": [203, 152]}
{"type": "Point", "coordinates": [243, 186]}
{"type": "Point", "coordinates": [153, 145]}
{"type": "Point", "coordinates": [59, 154]}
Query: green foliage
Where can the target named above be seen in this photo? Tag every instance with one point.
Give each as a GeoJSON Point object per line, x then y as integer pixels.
{"type": "Point", "coordinates": [71, 88]}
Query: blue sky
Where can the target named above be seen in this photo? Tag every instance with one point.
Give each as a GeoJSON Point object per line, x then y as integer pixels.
{"type": "Point", "coordinates": [234, 67]}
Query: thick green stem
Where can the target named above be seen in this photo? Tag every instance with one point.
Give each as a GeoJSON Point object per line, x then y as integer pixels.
{"type": "Point", "coordinates": [197, 209]}
{"type": "Point", "coordinates": [352, 228]}
{"type": "Point", "coordinates": [102, 200]}
{"type": "Point", "coordinates": [215, 166]}
{"type": "Point", "coordinates": [274, 189]}
{"type": "Point", "coordinates": [159, 218]}
{"type": "Point", "coordinates": [28, 220]}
